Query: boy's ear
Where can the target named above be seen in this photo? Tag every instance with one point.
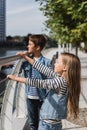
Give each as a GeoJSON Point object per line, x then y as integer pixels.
{"type": "Point", "coordinates": [38, 47]}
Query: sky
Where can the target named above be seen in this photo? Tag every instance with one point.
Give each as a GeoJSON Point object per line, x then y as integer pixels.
{"type": "Point", "coordinates": [24, 17]}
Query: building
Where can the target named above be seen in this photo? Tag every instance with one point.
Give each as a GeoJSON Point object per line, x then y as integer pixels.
{"type": "Point", "coordinates": [2, 20]}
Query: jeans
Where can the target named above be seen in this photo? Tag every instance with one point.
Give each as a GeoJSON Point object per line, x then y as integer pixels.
{"type": "Point", "coordinates": [33, 107]}
{"type": "Point", "coordinates": [47, 126]}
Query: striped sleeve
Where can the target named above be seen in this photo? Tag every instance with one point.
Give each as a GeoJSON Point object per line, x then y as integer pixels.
{"type": "Point", "coordinates": [44, 69]}
{"type": "Point", "coordinates": [57, 83]}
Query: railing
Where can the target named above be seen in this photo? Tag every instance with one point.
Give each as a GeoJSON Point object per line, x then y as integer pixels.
{"type": "Point", "coordinates": [2, 90]}
{"type": "Point", "coordinates": [8, 59]}
{"type": "Point", "coordinates": [3, 78]}
{"type": "Point", "coordinates": [13, 109]}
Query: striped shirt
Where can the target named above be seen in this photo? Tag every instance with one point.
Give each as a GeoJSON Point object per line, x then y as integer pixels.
{"type": "Point", "coordinates": [56, 82]}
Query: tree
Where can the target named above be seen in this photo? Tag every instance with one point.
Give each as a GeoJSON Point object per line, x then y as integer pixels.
{"type": "Point", "coordinates": [66, 19]}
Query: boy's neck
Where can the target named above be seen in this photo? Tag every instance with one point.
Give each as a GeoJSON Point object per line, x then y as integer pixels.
{"type": "Point", "coordinates": [37, 55]}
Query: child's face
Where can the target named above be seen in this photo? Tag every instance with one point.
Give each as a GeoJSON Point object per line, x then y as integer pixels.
{"type": "Point", "coordinates": [59, 67]}
{"type": "Point", "coordinates": [31, 47]}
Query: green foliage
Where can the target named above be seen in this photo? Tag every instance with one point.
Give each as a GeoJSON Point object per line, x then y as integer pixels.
{"type": "Point", "coordinates": [66, 19]}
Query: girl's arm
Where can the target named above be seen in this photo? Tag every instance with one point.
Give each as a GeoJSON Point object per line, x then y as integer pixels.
{"type": "Point", "coordinates": [26, 57]}
{"type": "Point", "coordinates": [16, 78]}
{"type": "Point", "coordinates": [58, 83]}
{"type": "Point", "coordinates": [45, 70]}
{"type": "Point", "coordinates": [41, 68]}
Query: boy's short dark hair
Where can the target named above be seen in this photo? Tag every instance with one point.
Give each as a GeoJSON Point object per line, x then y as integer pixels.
{"type": "Point", "coordinates": [38, 40]}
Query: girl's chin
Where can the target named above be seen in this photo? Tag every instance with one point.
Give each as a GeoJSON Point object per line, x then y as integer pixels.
{"type": "Point", "coordinates": [55, 71]}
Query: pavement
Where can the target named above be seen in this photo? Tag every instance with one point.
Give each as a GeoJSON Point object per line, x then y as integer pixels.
{"type": "Point", "coordinates": [83, 97]}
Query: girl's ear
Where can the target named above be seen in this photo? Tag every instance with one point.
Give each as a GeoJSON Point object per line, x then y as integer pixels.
{"type": "Point", "coordinates": [64, 69]}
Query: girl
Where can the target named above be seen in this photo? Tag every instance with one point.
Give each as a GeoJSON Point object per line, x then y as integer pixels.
{"type": "Point", "coordinates": [64, 89]}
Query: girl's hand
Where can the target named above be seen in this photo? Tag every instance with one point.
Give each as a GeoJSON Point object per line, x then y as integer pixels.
{"type": "Point", "coordinates": [16, 78]}
{"type": "Point", "coordinates": [11, 77]}
{"type": "Point", "coordinates": [25, 56]}
{"type": "Point", "coordinates": [22, 54]}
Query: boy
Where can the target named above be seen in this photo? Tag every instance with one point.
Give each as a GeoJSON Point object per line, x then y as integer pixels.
{"type": "Point", "coordinates": [34, 95]}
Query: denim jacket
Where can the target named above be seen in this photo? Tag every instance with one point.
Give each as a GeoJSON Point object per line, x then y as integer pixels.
{"type": "Point", "coordinates": [28, 70]}
{"type": "Point", "coordinates": [54, 106]}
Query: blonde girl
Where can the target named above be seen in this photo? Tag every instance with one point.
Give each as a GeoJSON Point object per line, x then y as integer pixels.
{"type": "Point", "coordinates": [64, 89]}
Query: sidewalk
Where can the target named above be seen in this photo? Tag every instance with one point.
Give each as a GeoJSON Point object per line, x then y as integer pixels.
{"type": "Point", "coordinates": [70, 126]}
{"type": "Point", "coordinates": [83, 97]}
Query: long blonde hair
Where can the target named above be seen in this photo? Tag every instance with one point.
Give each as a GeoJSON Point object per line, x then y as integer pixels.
{"type": "Point", "coordinates": [73, 76]}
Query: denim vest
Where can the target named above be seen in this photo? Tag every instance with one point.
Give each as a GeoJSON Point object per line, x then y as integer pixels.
{"type": "Point", "coordinates": [28, 70]}
{"type": "Point", "coordinates": [54, 106]}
